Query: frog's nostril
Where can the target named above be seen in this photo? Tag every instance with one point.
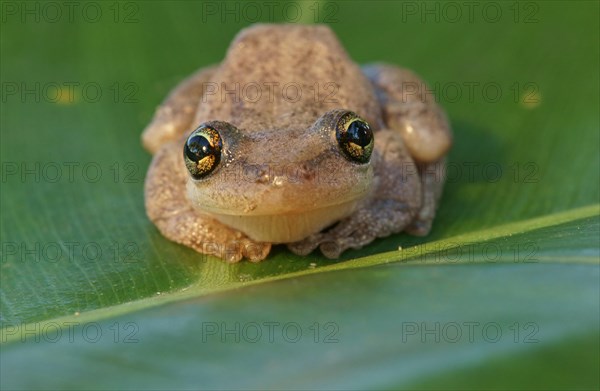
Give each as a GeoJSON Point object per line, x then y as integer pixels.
{"type": "Point", "coordinates": [307, 173]}
{"type": "Point", "coordinates": [255, 173]}
{"type": "Point", "coordinates": [263, 178]}
{"type": "Point", "coordinates": [301, 173]}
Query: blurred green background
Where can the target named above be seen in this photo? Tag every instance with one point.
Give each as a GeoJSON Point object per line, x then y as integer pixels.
{"type": "Point", "coordinates": [514, 248]}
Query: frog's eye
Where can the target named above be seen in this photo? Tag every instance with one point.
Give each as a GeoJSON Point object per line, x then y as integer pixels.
{"type": "Point", "coordinates": [202, 151]}
{"type": "Point", "coordinates": [355, 138]}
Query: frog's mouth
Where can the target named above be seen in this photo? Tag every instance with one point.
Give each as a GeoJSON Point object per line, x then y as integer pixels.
{"type": "Point", "coordinates": [283, 212]}
{"type": "Point", "coordinates": [288, 227]}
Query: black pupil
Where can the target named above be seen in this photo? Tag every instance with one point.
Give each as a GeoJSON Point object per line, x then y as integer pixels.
{"type": "Point", "coordinates": [359, 133]}
{"type": "Point", "coordinates": [198, 148]}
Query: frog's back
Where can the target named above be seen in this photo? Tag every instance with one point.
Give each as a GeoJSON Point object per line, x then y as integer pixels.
{"type": "Point", "coordinates": [285, 77]}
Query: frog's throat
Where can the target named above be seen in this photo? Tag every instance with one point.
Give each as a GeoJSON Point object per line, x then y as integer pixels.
{"type": "Point", "coordinates": [287, 227]}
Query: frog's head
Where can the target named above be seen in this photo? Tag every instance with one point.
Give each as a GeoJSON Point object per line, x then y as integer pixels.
{"type": "Point", "coordinates": [281, 185]}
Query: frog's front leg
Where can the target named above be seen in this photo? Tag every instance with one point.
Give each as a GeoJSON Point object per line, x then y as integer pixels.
{"type": "Point", "coordinates": [409, 107]}
{"type": "Point", "coordinates": [393, 204]}
{"type": "Point", "coordinates": [170, 210]}
{"type": "Point", "coordinates": [176, 113]}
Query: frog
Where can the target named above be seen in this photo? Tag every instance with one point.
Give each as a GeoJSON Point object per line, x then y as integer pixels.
{"type": "Point", "coordinates": [288, 141]}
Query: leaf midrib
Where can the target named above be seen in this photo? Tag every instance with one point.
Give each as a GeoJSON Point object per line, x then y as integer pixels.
{"type": "Point", "coordinates": [195, 291]}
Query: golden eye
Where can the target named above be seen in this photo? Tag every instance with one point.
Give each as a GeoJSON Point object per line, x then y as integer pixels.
{"type": "Point", "coordinates": [355, 138]}
{"type": "Point", "coordinates": [202, 151]}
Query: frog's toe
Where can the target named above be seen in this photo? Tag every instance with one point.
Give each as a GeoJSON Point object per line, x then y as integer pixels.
{"type": "Point", "coordinates": [334, 242]}
{"type": "Point", "coordinates": [349, 233]}
{"type": "Point", "coordinates": [306, 246]}
{"type": "Point", "coordinates": [255, 251]}
{"type": "Point", "coordinates": [333, 249]}
{"type": "Point", "coordinates": [381, 219]}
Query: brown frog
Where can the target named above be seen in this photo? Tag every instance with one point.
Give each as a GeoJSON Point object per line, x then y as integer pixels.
{"type": "Point", "coordinates": [289, 141]}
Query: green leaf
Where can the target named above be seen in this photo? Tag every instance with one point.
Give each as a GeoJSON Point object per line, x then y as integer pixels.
{"type": "Point", "coordinates": [514, 249]}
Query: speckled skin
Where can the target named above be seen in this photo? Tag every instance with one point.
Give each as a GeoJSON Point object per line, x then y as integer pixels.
{"type": "Point", "coordinates": [398, 190]}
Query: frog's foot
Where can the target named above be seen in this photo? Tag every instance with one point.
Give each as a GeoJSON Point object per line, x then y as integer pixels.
{"type": "Point", "coordinates": [381, 219]}
{"type": "Point", "coordinates": [208, 236]}
{"type": "Point", "coordinates": [175, 217]}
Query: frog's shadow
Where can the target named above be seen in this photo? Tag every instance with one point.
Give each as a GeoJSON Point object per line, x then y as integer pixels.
{"type": "Point", "coordinates": [474, 147]}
